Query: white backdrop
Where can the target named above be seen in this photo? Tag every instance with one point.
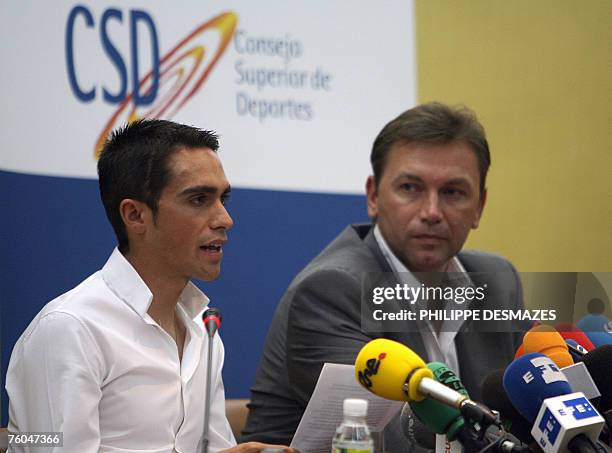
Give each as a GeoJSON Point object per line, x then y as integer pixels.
{"type": "Point", "coordinates": [297, 95]}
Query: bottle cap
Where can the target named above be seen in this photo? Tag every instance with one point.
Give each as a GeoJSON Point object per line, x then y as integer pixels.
{"type": "Point", "coordinates": [355, 407]}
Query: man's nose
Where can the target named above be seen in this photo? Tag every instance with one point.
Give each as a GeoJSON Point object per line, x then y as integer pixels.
{"type": "Point", "coordinates": [430, 209]}
{"type": "Point", "coordinates": [222, 219]}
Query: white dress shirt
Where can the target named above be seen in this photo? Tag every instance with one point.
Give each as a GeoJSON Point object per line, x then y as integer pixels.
{"type": "Point", "coordinates": [94, 365]}
{"type": "Point", "coordinates": [441, 347]}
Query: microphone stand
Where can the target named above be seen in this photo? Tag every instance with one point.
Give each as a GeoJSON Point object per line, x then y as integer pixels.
{"type": "Point", "coordinates": [207, 399]}
{"type": "Point", "coordinates": [212, 321]}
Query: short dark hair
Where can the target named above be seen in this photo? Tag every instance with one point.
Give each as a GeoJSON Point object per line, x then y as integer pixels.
{"type": "Point", "coordinates": [434, 123]}
{"type": "Point", "coordinates": [134, 164]}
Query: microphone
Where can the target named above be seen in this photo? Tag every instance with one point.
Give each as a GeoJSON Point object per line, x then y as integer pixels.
{"type": "Point", "coordinates": [393, 371]}
{"type": "Point", "coordinates": [415, 431]}
{"type": "Point", "coordinates": [440, 418]}
{"type": "Point", "coordinates": [546, 340]}
{"type": "Point", "coordinates": [494, 395]}
{"type": "Point", "coordinates": [404, 367]}
{"type": "Point", "coordinates": [570, 332]}
{"type": "Point", "coordinates": [598, 328]}
{"type": "Point", "coordinates": [568, 422]}
{"type": "Point", "coordinates": [521, 348]}
{"type": "Point", "coordinates": [599, 363]}
{"type": "Point", "coordinates": [562, 420]}
{"type": "Point", "coordinates": [530, 379]}
{"type": "Point", "coordinates": [576, 351]}
{"type": "Point", "coordinates": [212, 322]}
{"type": "Point", "coordinates": [448, 421]}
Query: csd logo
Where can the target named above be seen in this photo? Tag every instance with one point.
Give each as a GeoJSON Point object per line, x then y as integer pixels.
{"type": "Point", "coordinates": [81, 18]}
{"type": "Point", "coordinates": [174, 78]}
{"type": "Point", "coordinates": [370, 370]}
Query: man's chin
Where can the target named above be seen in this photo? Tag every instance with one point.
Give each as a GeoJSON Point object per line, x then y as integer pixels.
{"type": "Point", "coordinates": [208, 275]}
{"type": "Point", "coordinates": [429, 263]}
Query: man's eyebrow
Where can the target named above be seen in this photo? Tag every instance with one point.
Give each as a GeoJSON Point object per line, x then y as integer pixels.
{"type": "Point", "coordinates": [410, 176]}
{"type": "Point", "coordinates": [204, 189]}
{"type": "Point", "coordinates": [455, 181]}
{"type": "Point", "coordinates": [458, 181]}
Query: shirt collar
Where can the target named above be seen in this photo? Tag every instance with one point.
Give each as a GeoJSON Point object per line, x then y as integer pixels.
{"type": "Point", "coordinates": [126, 283]}
{"type": "Point", "coordinates": [193, 300]}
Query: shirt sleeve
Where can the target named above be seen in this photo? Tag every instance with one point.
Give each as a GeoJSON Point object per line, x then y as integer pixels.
{"type": "Point", "coordinates": [220, 433]}
{"type": "Point", "coordinates": [54, 384]}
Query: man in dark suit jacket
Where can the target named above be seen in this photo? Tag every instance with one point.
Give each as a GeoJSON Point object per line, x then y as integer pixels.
{"type": "Point", "coordinates": [426, 194]}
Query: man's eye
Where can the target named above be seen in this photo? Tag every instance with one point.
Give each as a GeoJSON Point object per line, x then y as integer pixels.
{"type": "Point", "coordinates": [454, 192]}
{"type": "Point", "coordinates": [409, 187]}
{"type": "Point", "coordinates": [225, 198]}
{"type": "Point", "coordinates": [199, 200]}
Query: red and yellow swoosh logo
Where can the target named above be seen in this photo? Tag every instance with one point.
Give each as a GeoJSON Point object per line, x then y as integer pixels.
{"type": "Point", "coordinates": [182, 71]}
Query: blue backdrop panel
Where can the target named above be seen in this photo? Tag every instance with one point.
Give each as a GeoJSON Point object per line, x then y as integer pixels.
{"type": "Point", "coordinates": [55, 233]}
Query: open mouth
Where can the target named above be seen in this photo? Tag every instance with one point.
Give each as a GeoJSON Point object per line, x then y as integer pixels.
{"type": "Point", "coordinates": [211, 248]}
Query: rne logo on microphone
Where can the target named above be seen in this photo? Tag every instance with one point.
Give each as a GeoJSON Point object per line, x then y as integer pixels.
{"type": "Point", "coordinates": [371, 369]}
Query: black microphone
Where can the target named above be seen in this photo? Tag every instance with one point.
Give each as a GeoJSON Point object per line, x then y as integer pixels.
{"type": "Point", "coordinates": [212, 323]}
{"type": "Point", "coordinates": [494, 395]}
{"type": "Point", "coordinates": [415, 431]}
{"type": "Point", "coordinates": [599, 363]}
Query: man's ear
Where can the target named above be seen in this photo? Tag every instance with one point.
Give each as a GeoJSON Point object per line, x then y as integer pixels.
{"type": "Point", "coordinates": [482, 202]}
{"type": "Point", "coordinates": [135, 215]}
{"type": "Point", "coordinates": [372, 197]}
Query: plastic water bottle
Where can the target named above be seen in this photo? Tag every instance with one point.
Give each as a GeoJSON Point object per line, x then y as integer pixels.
{"type": "Point", "coordinates": [353, 435]}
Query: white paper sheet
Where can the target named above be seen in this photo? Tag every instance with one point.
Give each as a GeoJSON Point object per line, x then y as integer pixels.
{"type": "Point", "coordinates": [324, 411]}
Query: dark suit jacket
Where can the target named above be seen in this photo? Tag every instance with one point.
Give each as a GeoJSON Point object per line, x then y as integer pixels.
{"type": "Point", "coordinates": [319, 320]}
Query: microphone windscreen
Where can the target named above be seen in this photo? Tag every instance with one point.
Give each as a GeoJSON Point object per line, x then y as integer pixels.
{"type": "Point", "coordinates": [384, 366]}
{"type": "Point", "coordinates": [599, 365]}
{"type": "Point", "coordinates": [494, 395]}
{"type": "Point", "coordinates": [570, 332]}
{"type": "Point", "coordinates": [598, 328]}
{"type": "Point", "coordinates": [546, 340]}
{"type": "Point", "coordinates": [415, 431]}
{"type": "Point", "coordinates": [530, 379]}
{"type": "Point", "coordinates": [439, 417]}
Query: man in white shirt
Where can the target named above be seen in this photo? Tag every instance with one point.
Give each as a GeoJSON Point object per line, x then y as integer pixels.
{"type": "Point", "coordinates": [118, 364]}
